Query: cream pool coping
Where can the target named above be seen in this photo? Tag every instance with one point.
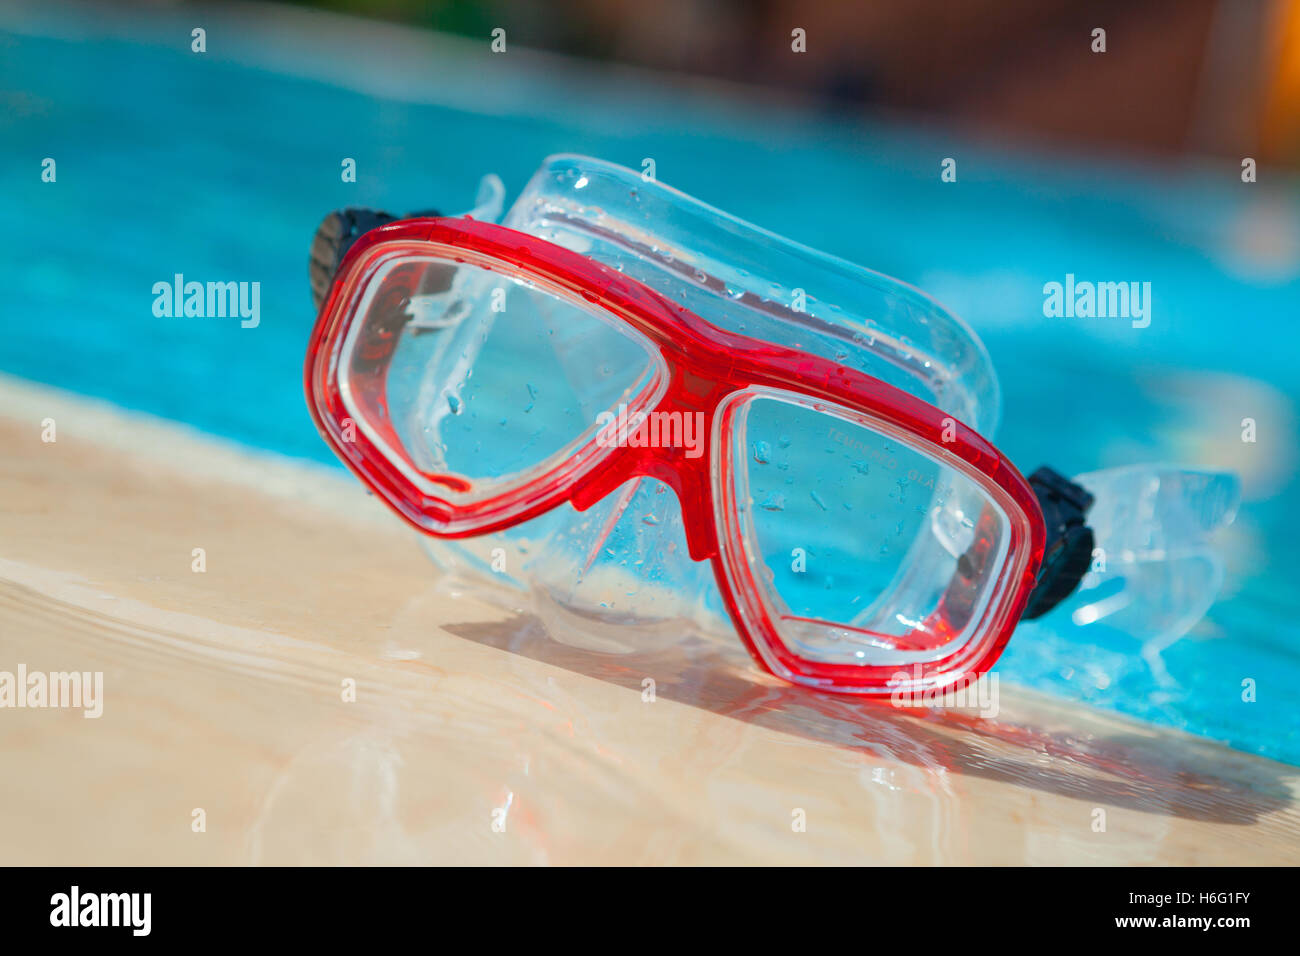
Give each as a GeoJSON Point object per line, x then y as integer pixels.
{"type": "Point", "coordinates": [476, 736]}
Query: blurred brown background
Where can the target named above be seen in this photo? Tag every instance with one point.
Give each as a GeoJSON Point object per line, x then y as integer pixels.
{"type": "Point", "coordinates": [1208, 76]}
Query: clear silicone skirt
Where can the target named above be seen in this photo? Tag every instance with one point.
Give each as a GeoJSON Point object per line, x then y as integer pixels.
{"type": "Point", "coordinates": [848, 523]}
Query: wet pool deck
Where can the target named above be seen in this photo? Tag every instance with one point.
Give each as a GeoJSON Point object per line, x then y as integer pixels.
{"type": "Point", "coordinates": [474, 736]}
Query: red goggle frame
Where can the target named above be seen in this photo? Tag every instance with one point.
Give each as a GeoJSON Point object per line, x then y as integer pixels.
{"type": "Point", "coordinates": [704, 365]}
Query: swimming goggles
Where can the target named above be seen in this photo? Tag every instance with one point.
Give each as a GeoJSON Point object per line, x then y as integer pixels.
{"type": "Point", "coordinates": [539, 387]}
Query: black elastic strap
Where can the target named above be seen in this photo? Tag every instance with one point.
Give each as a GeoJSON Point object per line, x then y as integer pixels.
{"type": "Point", "coordinates": [1068, 553]}
{"type": "Point", "coordinates": [335, 236]}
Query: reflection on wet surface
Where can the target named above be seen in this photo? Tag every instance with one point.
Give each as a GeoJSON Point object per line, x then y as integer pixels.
{"type": "Point", "coordinates": [1123, 768]}
{"type": "Point", "coordinates": [496, 744]}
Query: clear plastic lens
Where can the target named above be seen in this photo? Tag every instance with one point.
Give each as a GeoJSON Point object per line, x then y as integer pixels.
{"type": "Point", "coordinates": [477, 381]}
{"type": "Point", "coordinates": [743, 279]}
{"type": "Point", "coordinates": [863, 548]}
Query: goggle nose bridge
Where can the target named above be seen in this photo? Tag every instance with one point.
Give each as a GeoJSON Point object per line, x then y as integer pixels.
{"type": "Point", "coordinates": [694, 401]}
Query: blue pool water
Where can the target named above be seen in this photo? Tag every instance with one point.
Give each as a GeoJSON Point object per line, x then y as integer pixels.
{"type": "Point", "coordinates": [219, 168]}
